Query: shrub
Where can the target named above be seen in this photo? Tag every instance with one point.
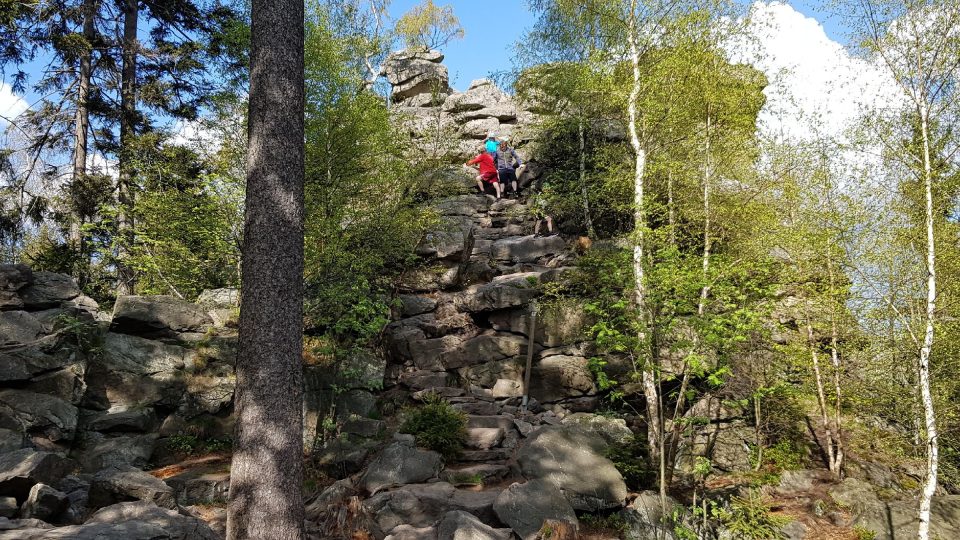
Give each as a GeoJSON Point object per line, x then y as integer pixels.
{"type": "Point", "coordinates": [749, 518]}
{"type": "Point", "coordinates": [631, 460]}
{"type": "Point", "coordinates": [437, 426]}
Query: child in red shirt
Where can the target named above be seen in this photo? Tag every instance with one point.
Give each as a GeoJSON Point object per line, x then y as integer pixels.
{"type": "Point", "coordinates": [488, 171]}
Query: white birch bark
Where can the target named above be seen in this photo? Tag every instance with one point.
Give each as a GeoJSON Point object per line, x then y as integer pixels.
{"type": "Point", "coordinates": [930, 418]}
{"type": "Point", "coordinates": [640, 293]}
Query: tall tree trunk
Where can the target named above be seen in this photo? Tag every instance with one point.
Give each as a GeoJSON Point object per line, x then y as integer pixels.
{"type": "Point", "coordinates": [835, 360]}
{"type": "Point", "coordinates": [676, 426]}
{"type": "Point", "coordinates": [930, 418]}
{"type": "Point", "coordinates": [126, 279]}
{"type": "Point", "coordinates": [821, 396]}
{"type": "Point", "coordinates": [267, 472]}
{"type": "Point", "coordinates": [81, 124]}
{"type": "Point", "coordinates": [581, 136]}
{"type": "Point", "coordinates": [648, 370]}
{"type": "Point", "coordinates": [671, 209]}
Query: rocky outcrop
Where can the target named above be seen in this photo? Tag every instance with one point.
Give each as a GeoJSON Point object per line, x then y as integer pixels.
{"type": "Point", "coordinates": [81, 396]}
{"type": "Point", "coordinates": [455, 123]}
{"type": "Point", "coordinates": [525, 507]}
{"type": "Point", "coordinates": [413, 74]}
{"type": "Point", "coordinates": [572, 460]}
{"type": "Point", "coordinates": [401, 463]}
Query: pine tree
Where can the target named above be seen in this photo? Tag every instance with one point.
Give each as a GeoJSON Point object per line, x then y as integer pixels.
{"type": "Point", "coordinates": [267, 471]}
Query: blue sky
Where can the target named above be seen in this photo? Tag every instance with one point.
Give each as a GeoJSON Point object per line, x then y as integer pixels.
{"type": "Point", "coordinates": [494, 27]}
{"type": "Point", "coordinates": [803, 39]}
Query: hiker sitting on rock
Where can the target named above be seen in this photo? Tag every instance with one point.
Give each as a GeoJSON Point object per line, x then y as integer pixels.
{"type": "Point", "coordinates": [487, 168]}
{"type": "Point", "coordinates": [539, 207]}
{"type": "Point", "coordinates": [507, 164]}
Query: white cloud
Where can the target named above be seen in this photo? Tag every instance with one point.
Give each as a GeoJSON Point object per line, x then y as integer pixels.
{"type": "Point", "coordinates": [11, 105]}
{"type": "Point", "coordinates": [816, 86]}
{"type": "Point", "coordinates": [196, 135]}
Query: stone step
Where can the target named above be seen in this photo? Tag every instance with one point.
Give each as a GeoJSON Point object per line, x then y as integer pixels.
{"type": "Point", "coordinates": [487, 456]}
{"type": "Point", "coordinates": [478, 407]}
{"type": "Point", "coordinates": [484, 438]}
{"type": "Point", "coordinates": [471, 475]}
{"type": "Point", "coordinates": [490, 421]}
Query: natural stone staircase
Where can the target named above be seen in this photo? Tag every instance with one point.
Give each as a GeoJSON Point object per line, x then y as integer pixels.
{"type": "Point", "coordinates": [461, 331]}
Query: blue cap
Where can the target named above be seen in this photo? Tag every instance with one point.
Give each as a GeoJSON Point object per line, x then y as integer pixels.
{"type": "Point", "coordinates": [492, 146]}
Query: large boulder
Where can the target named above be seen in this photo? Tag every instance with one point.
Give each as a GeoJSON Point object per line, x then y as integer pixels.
{"type": "Point", "coordinates": [503, 292]}
{"type": "Point", "coordinates": [48, 290]}
{"type": "Point", "coordinates": [559, 325]}
{"type": "Point", "coordinates": [460, 525]}
{"type": "Point", "coordinates": [158, 316]}
{"type": "Point", "coordinates": [423, 505]}
{"type": "Point", "coordinates": [19, 327]}
{"type": "Point", "coordinates": [897, 519]}
{"type": "Point", "coordinates": [40, 415]}
{"type": "Point", "coordinates": [482, 94]}
{"type": "Point", "coordinates": [13, 277]}
{"type": "Point", "coordinates": [124, 450]}
{"type": "Point", "coordinates": [139, 419]}
{"type": "Point", "coordinates": [401, 463]}
{"type": "Point", "coordinates": [175, 526]}
{"type": "Point", "coordinates": [68, 383]}
{"type": "Point", "coordinates": [121, 484]}
{"type": "Point", "coordinates": [409, 532]}
{"type": "Point", "coordinates": [133, 371]}
{"type": "Point", "coordinates": [44, 503]}
{"type": "Point", "coordinates": [412, 73]}
{"type": "Point", "coordinates": [24, 363]}
{"type": "Point", "coordinates": [644, 518]}
{"type": "Point", "coordinates": [559, 377]}
{"type": "Point", "coordinates": [411, 305]}
{"type": "Point", "coordinates": [525, 507]}
{"type": "Point", "coordinates": [219, 298]}
{"type": "Point", "coordinates": [20, 470]}
{"type": "Point", "coordinates": [612, 430]}
{"type": "Point", "coordinates": [132, 530]}
{"type": "Point", "coordinates": [443, 244]}
{"type": "Point", "coordinates": [527, 249]}
{"type": "Point", "coordinates": [573, 461]}
{"type": "Point", "coordinates": [483, 348]}
{"type": "Point", "coordinates": [497, 379]}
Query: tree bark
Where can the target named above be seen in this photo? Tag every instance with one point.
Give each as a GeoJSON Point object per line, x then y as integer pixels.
{"type": "Point", "coordinates": [583, 178]}
{"type": "Point", "coordinates": [81, 125]}
{"type": "Point", "coordinates": [266, 477]}
{"type": "Point", "coordinates": [835, 360]}
{"type": "Point", "coordinates": [126, 279]}
{"type": "Point", "coordinates": [821, 397]}
{"type": "Point", "coordinates": [648, 370]}
{"type": "Point", "coordinates": [930, 417]}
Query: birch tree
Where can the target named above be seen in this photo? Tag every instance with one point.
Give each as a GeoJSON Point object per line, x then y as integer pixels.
{"type": "Point", "coordinates": [918, 45]}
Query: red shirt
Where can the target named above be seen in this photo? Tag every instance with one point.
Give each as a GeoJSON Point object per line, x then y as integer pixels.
{"type": "Point", "coordinates": [487, 165]}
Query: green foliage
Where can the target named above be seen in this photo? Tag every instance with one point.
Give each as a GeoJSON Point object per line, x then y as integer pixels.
{"type": "Point", "coordinates": [864, 533]}
{"type": "Point", "coordinates": [81, 333]}
{"type": "Point", "coordinates": [785, 455]}
{"type": "Point", "coordinates": [189, 445]}
{"type": "Point", "coordinates": [633, 463]}
{"type": "Point", "coordinates": [749, 518]}
{"type": "Point", "coordinates": [363, 203]}
{"type": "Point", "coordinates": [614, 523]}
{"type": "Point", "coordinates": [185, 237]}
{"type": "Point", "coordinates": [437, 426]}
{"type": "Point", "coordinates": [428, 26]}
